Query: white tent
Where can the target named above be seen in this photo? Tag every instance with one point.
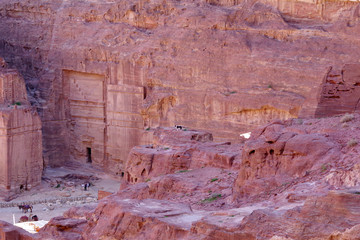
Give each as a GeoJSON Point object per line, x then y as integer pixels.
{"type": "Point", "coordinates": [31, 227]}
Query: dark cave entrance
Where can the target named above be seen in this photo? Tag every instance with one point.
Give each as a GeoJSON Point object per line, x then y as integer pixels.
{"type": "Point", "coordinates": [88, 155]}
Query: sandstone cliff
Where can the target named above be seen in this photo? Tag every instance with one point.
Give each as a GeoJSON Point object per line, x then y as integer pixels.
{"type": "Point", "coordinates": [300, 191]}
{"type": "Point", "coordinates": [100, 72]}
{"type": "Point", "coordinates": [21, 161]}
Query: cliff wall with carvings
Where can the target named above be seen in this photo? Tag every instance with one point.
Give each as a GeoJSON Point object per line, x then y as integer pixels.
{"type": "Point", "coordinates": [21, 161]}
{"type": "Point", "coordinates": [101, 72]}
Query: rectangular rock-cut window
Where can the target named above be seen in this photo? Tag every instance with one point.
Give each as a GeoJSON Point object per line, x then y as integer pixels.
{"type": "Point", "coordinates": [88, 155]}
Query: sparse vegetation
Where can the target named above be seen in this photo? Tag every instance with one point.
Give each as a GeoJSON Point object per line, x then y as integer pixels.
{"type": "Point", "coordinates": [351, 143]}
{"type": "Point", "coordinates": [17, 103]}
{"type": "Point", "coordinates": [324, 167]}
{"type": "Point", "coordinates": [213, 197]}
{"type": "Point", "coordinates": [270, 86]}
{"type": "Point", "coordinates": [148, 180]}
{"type": "Point", "coordinates": [228, 93]}
{"type": "Point", "coordinates": [214, 179]}
{"type": "Point", "coordinates": [347, 118]}
{"type": "Point", "coordinates": [182, 171]}
{"type": "Point", "coordinates": [166, 148]}
{"type": "Point", "coordinates": [184, 129]}
{"type": "Point", "coordinates": [147, 129]}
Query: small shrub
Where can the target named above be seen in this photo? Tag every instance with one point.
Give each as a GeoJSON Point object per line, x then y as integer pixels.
{"type": "Point", "coordinates": [324, 168]}
{"type": "Point", "coordinates": [270, 86]}
{"type": "Point", "coordinates": [214, 179]}
{"type": "Point", "coordinates": [166, 148]}
{"type": "Point", "coordinates": [352, 143]}
{"type": "Point", "coordinates": [212, 198]}
{"type": "Point", "coordinates": [184, 129]}
{"type": "Point", "coordinates": [182, 171]}
{"type": "Point", "coordinates": [148, 180]}
{"type": "Point", "coordinates": [347, 118]}
{"type": "Point", "coordinates": [228, 93]}
{"type": "Point", "coordinates": [148, 129]}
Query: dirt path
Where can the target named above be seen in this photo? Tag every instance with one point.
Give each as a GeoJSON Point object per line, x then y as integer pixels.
{"type": "Point", "coordinates": [59, 191]}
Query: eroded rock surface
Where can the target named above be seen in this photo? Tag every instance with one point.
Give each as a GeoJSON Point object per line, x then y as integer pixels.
{"type": "Point", "coordinates": [277, 154]}
{"type": "Point", "coordinates": [175, 150]}
{"type": "Point", "coordinates": [100, 72]}
{"type": "Point", "coordinates": [311, 192]}
{"type": "Point", "coordinates": [21, 160]}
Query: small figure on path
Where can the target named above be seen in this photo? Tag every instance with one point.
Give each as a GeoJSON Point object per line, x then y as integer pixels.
{"type": "Point", "coordinates": [86, 186]}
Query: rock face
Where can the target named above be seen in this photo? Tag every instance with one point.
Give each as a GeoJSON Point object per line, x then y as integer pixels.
{"type": "Point", "coordinates": [276, 155]}
{"type": "Point", "coordinates": [21, 160]}
{"type": "Point", "coordinates": [306, 189]}
{"type": "Point", "coordinates": [175, 150]}
{"type": "Point", "coordinates": [340, 91]}
{"type": "Point", "coordinates": [101, 72]}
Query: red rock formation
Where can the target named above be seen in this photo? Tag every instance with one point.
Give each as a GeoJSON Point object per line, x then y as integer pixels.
{"type": "Point", "coordinates": [317, 219]}
{"type": "Point", "coordinates": [221, 66]}
{"type": "Point", "coordinates": [319, 200]}
{"type": "Point", "coordinates": [173, 150]}
{"type": "Point", "coordinates": [275, 155]}
{"type": "Point", "coordinates": [21, 160]}
{"type": "Point", "coordinates": [63, 228]}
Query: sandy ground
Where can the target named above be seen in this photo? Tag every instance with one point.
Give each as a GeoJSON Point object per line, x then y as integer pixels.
{"type": "Point", "coordinates": [68, 188]}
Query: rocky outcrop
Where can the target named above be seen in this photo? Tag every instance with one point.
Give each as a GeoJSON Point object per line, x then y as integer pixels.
{"type": "Point", "coordinates": [21, 160]}
{"type": "Point", "coordinates": [305, 190]}
{"type": "Point", "coordinates": [63, 228]}
{"type": "Point", "coordinates": [175, 150]}
{"type": "Point", "coordinates": [276, 155]}
{"type": "Point", "coordinates": [319, 218]}
{"type": "Point", "coordinates": [133, 219]}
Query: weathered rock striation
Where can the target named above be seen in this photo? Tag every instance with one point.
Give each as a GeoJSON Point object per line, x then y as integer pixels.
{"type": "Point", "coordinates": [100, 72]}
{"type": "Point", "coordinates": [110, 79]}
{"type": "Point", "coordinates": [173, 150]}
{"type": "Point", "coordinates": [309, 190]}
{"type": "Point", "coordinates": [21, 161]}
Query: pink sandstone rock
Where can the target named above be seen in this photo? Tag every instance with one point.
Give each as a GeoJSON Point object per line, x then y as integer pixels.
{"type": "Point", "coordinates": [100, 73]}
{"type": "Point", "coordinates": [275, 155]}
{"type": "Point", "coordinates": [174, 150]}
{"type": "Point", "coordinates": [21, 160]}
